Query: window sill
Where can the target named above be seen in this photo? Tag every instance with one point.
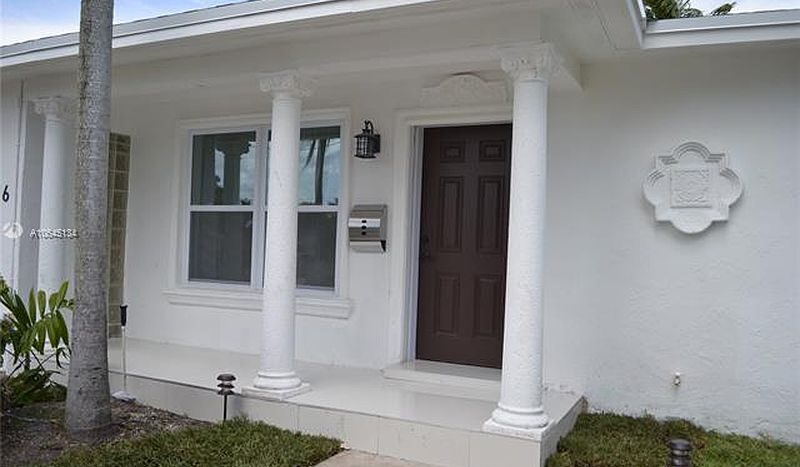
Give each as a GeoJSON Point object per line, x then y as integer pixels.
{"type": "Point", "coordinates": [251, 300]}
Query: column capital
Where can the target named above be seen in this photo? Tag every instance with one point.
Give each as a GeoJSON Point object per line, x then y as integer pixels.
{"type": "Point", "coordinates": [55, 107]}
{"type": "Point", "coordinates": [533, 63]}
{"type": "Point", "coordinates": [232, 145]}
{"type": "Point", "coordinates": [287, 83]}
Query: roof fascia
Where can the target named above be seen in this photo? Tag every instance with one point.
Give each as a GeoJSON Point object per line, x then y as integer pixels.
{"type": "Point", "coordinates": [728, 29]}
{"type": "Point", "coordinates": [638, 18]}
{"type": "Point", "coordinates": [196, 23]}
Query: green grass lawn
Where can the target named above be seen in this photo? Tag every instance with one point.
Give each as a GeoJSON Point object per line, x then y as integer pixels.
{"type": "Point", "coordinates": [237, 443]}
{"type": "Point", "coordinates": [606, 440]}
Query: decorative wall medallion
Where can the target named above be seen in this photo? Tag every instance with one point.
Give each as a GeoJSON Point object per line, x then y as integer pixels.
{"type": "Point", "coordinates": [464, 89]}
{"type": "Point", "coordinates": [692, 188]}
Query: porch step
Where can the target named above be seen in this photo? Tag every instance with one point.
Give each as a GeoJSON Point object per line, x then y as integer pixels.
{"type": "Point", "coordinates": [475, 382]}
{"type": "Point", "coordinates": [415, 420]}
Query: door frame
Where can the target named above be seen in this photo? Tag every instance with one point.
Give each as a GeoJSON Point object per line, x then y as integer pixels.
{"type": "Point", "coordinates": [403, 239]}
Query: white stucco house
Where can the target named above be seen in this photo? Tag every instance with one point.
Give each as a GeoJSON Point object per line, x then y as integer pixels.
{"type": "Point", "coordinates": [569, 209]}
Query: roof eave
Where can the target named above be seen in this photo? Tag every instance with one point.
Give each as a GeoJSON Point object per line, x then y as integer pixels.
{"type": "Point", "coordinates": [766, 26]}
{"type": "Point", "coordinates": [197, 23]}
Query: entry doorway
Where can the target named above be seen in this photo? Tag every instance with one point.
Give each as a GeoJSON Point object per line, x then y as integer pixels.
{"type": "Point", "coordinates": [463, 244]}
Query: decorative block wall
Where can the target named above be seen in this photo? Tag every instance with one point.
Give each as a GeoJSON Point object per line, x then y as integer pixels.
{"type": "Point", "coordinates": [119, 150]}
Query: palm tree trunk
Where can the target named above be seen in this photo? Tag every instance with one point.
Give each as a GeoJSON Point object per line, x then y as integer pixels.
{"type": "Point", "coordinates": [88, 409]}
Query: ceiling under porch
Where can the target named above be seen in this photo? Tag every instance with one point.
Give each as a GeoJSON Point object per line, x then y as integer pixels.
{"type": "Point", "coordinates": [431, 44]}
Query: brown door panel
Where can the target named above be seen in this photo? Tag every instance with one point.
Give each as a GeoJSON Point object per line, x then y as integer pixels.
{"type": "Point", "coordinates": [463, 241]}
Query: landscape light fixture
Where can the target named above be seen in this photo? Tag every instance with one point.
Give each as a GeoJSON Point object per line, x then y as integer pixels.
{"type": "Point", "coordinates": [225, 389]}
{"type": "Point", "coordinates": [368, 143]}
{"type": "Point", "coordinates": [680, 453]}
{"type": "Point", "coordinates": [124, 395]}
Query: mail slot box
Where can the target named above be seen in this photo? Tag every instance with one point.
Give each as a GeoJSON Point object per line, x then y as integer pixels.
{"type": "Point", "coordinates": [367, 228]}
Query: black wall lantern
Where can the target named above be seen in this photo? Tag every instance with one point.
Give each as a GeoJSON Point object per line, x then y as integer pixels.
{"type": "Point", "coordinates": [368, 143]}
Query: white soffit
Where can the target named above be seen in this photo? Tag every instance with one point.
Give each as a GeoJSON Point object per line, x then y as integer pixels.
{"type": "Point", "coordinates": [782, 25]}
{"type": "Point", "coordinates": [620, 21]}
{"type": "Point", "coordinates": [254, 15]}
{"type": "Point", "coordinates": [214, 19]}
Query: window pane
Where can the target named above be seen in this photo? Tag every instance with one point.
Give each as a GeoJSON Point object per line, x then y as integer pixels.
{"type": "Point", "coordinates": [316, 249]}
{"type": "Point", "coordinates": [223, 166]}
{"type": "Point", "coordinates": [220, 246]}
{"type": "Point", "coordinates": [319, 166]}
{"type": "Point", "coordinates": [320, 150]}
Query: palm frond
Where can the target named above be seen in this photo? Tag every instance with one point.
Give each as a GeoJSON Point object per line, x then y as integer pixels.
{"type": "Point", "coordinates": [723, 9]}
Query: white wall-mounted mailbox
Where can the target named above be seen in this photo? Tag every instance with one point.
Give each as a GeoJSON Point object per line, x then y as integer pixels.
{"type": "Point", "coordinates": [367, 228]}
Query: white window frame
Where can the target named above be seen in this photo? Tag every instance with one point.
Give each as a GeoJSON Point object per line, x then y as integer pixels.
{"type": "Point", "coordinates": [252, 208]}
{"type": "Point", "coordinates": [261, 123]}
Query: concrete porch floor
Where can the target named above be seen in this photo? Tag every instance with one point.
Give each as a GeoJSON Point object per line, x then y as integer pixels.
{"type": "Point", "coordinates": [423, 419]}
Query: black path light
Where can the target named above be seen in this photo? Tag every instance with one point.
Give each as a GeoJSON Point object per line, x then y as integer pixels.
{"type": "Point", "coordinates": [225, 389]}
{"type": "Point", "coordinates": [368, 143]}
{"type": "Point", "coordinates": [124, 395]}
{"type": "Point", "coordinates": [680, 453]}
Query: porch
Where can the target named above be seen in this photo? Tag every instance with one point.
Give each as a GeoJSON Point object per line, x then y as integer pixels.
{"type": "Point", "coordinates": [431, 413]}
{"type": "Point", "coordinates": [215, 140]}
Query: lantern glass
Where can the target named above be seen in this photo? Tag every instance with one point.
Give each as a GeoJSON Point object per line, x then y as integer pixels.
{"type": "Point", "coordinates": [362, 146]}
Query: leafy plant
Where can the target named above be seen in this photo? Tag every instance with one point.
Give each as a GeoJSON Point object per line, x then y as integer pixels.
{"type": "Point", "coordinates": [670, 9]}
{"type": "Point", "coordinates": [32, 386]}
{"type": "Point", "coordinates": [25, 332]}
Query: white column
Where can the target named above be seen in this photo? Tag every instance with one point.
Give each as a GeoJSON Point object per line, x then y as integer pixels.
{"type": "Point", "coordinates": [519, 411]}
{"type": "Point", "coordinates": [277, 378]}
{"type": "Point", "coordinates": [59, 150]}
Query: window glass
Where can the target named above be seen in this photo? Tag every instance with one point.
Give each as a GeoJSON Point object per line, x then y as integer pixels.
{"type": "Point", "coordinates": [223, 193]}
{"type": "Point", "coordinates": [318, 183]}
{"type": "Point", "coordinates": [219, 246]}
{"type": "Point", "coordinates": [223, 168]}
{"type": "Point", "coordinates": [316, 249]}
{"type": "Point", "coordinates": [319, 166]}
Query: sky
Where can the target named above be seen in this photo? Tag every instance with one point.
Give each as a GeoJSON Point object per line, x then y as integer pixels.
{"type": "Point", "coordinates": [22, 20]}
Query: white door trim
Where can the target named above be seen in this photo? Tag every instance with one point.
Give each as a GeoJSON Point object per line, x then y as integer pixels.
{"type": "Point", "coordinates": [404, 213]}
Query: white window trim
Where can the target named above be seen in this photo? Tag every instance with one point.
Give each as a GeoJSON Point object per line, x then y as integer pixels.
{"type": "Point", "coordinates": [406, 199]}
{"type": "Point", "coordinates": [251, 300]}
{"type": "Point", "coordinates": [329, 303]}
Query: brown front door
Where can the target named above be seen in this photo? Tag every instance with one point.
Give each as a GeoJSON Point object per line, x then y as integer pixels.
{"type": "Point", "coordinates": [463, 238]}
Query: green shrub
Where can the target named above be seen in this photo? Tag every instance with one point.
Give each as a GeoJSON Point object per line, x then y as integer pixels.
{"type": "Point", "coordinates": [25, 331]}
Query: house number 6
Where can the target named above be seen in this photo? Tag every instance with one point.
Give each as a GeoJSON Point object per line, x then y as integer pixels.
{"type": "Point", "coordinates": [6, 195]}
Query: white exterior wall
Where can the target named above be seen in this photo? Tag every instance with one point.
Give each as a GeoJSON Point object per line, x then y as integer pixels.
{"type": "Point", "coordinates": [21, 154]}
{"type": "Point", "coordinates": [153, 208]}
{"type": "Point", "coordinates": [9, 123]}
{"type": "Point", "coordinates": [627, 301]}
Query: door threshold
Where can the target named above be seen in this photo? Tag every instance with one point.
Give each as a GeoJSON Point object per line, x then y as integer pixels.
{"type": "Point", "coordinates": [448, 374]}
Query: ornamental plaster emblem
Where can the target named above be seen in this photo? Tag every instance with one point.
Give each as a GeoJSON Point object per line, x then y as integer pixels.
{"type": "Point", "coordinates": [466, 89]}
{"type": "Point", "coordinates": [692, 188]}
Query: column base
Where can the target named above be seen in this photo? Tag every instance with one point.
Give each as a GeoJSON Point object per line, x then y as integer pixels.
{"type": "Point", "coordinates": [276, 386]}
{"type": "Point", "coordinates": [275, 394]}
{"type": "Point", "coordinates": [529, 424]}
